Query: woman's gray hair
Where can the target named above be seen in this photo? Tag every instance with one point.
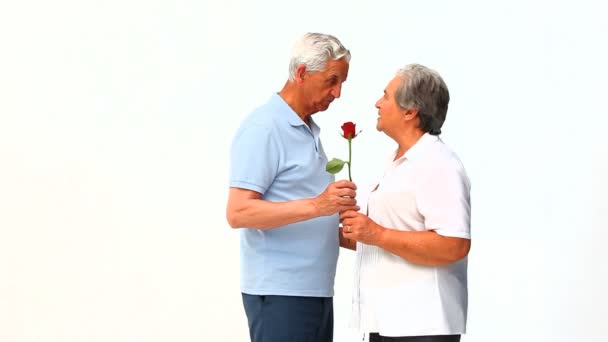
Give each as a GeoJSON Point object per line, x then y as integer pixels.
{"type": "Point", "coordinates": [314, 50]}
{"type": "Point", "coordinates": [422, 88]}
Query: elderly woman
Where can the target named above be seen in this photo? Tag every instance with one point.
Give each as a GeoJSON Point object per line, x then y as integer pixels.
{"type": "Point", "coordinates": [411, 266]}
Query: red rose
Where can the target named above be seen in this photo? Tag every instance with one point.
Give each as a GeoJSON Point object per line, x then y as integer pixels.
{"type": "Point", "coordinates": [335, 165]}
{"type": "Point", "coordinates": [349, 130]}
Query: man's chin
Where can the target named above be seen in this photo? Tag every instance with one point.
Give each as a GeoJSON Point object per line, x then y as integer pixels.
{"type": "Point", "coordinates": [323, 107]}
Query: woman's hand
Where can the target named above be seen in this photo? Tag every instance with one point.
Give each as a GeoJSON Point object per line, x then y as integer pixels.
{"type": "Point", "coordinates": [361, 228]}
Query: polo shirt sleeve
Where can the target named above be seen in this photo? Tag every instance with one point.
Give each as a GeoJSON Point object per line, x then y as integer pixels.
{"type": "Point", "coordinates": [444, 201]}
{"type": "Point", "coordinates": [254, 158]}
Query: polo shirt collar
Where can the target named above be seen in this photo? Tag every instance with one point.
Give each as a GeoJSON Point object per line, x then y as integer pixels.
{"type": "Point", "coordinates": [292, 117]}
{"type": "Point", "coordinates": [286, 111]}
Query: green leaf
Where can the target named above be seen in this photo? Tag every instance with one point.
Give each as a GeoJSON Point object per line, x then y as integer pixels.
{"type": "Point", "coordinates": [334, 166]}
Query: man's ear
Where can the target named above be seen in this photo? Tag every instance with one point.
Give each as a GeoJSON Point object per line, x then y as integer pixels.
{"type": "Point", "coordinates": [300, 71]}
{"type": "Point", "coordinates": [410, 114]}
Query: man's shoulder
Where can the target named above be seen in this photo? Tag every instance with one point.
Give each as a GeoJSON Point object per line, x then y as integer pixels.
{"type": "Point", "coordinates": [266, 116]}
{"type": "Point", "coordinates": [262, 116]}
{"type": "Point", "coordinates": [260, 124]}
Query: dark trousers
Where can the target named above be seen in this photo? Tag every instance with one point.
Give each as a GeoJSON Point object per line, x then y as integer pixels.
{"type": "Point", "coordinates": [289, 318]}
{"type": "Point", "coordinates": [434, 338]}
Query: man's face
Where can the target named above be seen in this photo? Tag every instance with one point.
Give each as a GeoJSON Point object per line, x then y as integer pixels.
{"type": "Point", "coordinates": [390, 115]}
{"type": "Point", "coordinates": [320, 88]}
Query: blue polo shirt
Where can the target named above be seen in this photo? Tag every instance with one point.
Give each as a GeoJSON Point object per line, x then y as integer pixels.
{"type": "Point", "coordinates": [276, 154]}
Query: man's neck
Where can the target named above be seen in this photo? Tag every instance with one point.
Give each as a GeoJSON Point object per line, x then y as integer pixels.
{"type": "Point", "coordinates": [292, 98]}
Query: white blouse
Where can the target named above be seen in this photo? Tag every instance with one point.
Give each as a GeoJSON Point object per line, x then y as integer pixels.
{"type": "Point", "coordinates": [426, 189]}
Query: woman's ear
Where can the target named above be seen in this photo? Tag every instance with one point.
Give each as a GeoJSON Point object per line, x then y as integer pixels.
{"type": "Point", "coordinates": [410, 114]}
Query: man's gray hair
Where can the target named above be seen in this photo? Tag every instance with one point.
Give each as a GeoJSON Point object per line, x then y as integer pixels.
{"type": "Point", "coordinates": [422, 88]}
{"type": "Point", "coordinates": [314, 50]}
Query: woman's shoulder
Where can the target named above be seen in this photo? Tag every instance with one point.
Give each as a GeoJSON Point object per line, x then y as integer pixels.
{"type": "Point", "coordinates": [442, 156]}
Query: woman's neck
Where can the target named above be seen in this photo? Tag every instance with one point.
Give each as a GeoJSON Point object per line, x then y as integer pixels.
{"type": "Point", "coordinates": [406, 140]}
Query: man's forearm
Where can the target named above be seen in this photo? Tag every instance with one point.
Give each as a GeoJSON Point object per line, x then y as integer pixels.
{"type": "Point", "coordinates": [424, 248]}
{"type": "Point", "coordinates": [261, 214]}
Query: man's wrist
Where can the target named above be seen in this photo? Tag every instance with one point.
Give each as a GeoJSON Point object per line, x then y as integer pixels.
{"type": "Point", "coordinates": [313, 209]}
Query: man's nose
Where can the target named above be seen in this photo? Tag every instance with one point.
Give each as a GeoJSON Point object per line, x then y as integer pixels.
{"type": "Point", "coordinates": [336, 91]}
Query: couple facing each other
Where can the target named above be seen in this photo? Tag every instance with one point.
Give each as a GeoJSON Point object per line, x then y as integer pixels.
{"type": "Point", "coordinates": [411, 240]}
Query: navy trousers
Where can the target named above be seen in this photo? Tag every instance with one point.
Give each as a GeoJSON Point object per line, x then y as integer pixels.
{"type": "Point", "coordinates": [435, 338]}
{"type": "Point", "coordinates": [289, 318]}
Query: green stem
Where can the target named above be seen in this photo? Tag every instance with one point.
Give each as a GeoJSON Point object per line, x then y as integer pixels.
{"type": "Point", "coordinates": [349, 157]}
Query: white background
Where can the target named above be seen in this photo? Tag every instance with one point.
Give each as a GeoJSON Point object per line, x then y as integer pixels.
{"type": "Point", "coordinates": [115, 124]}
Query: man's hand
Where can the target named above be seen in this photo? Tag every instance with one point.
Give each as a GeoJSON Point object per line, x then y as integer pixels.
{"type": "Point", "coordinates": [359, 227]}
{"type": "Point", "coordinates": [337, 197]}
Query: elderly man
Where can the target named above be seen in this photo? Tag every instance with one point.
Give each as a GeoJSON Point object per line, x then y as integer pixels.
{"type": "Point", "coordinates": [287, 204]}
{"type": "Point", "coordinates": [411, 266]}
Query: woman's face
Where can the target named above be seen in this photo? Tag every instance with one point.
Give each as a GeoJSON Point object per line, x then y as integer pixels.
{"type": "Point", "coordinates": [390, 115]}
